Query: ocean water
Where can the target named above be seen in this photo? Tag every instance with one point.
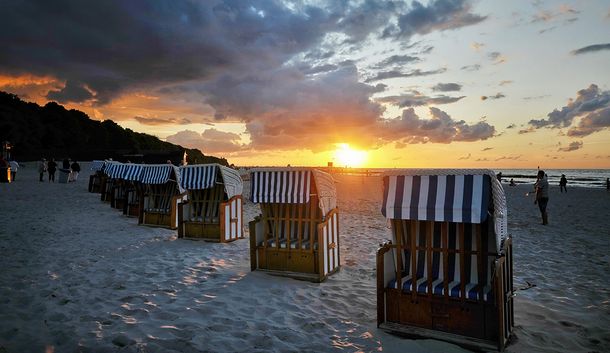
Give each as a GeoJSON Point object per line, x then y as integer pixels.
{"type": "Point", "coordinates": [589, 178]}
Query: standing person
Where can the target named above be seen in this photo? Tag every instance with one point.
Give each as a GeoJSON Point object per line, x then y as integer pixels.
{"type": "Point", "coordinates": [51, 168]}
{"type": "Point", "coordinates": [42, 168]}
{"type": "Point", "coordinates": [75, 170]}
{"type": "Point", "coordinates": [562, 183]}
{"type": "Point", "coordinates": [608, 184]}
{"type": "Point", "coordinates": [14, 167]}
{"type": "Point", "coordinates": [542, 195]}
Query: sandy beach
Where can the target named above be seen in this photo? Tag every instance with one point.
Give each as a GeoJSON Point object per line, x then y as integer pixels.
{"type": "Point", "coordinates": [78, 276]}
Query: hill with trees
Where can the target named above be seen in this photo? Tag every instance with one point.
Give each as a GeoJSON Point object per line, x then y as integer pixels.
{"type": "Point", "coordinates": [53, 131]}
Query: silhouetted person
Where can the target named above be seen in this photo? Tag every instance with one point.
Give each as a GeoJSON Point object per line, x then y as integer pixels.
{"type": "Point", "coordinates": [51, 168]}
{"type": "Point", "coordinates": [542, 195]}
{"type": "Point", "coordinates": [512, 182]}
{"type": "Point", "coordinates": [42, 168]}
{"type": "Point", "coordinates": [499, 176]}
{"type": "Point", "coordinates": [75, 167]}
{"type": "Point", "coordinates": [562, 183]}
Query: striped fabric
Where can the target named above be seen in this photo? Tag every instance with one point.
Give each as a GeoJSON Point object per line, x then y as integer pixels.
{"type": "Point", "coordinates": [471, 280]}
{"type": "Point", "coordinates": [116, 171]}
{"type": "Point", "coordinates": [451, 198]}
{"type": "Point", "coordinates": [198, 177]}
{"type": "Point", "coordinates": [156, 174]}
{"type": "Point", "coordinates": [132, 172]}
{"type": "Point", "coordinates": [281, 186]}
{"type": "Point", "coordinates": [96, 166]}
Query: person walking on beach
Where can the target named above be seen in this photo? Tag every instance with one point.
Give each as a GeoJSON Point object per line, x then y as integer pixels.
{"type": "Point", "coordinates": [542, 195]}
{"type": "Point", "coordinates": [75, 167]}
{"type": "Point", "coordinates": [42, 168]}
{"type": "Point", "coordinates": [562, 183]}
{"type": "Point", "coordinates": [51, 168]}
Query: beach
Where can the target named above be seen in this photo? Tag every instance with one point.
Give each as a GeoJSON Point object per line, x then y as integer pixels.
{"type": "Point", "coordinates": [78, 276]}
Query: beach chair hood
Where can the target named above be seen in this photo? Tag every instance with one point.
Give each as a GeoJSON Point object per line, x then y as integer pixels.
{"type": "Point", "coordinates": [160, 174]}
{"type": "Point", "coordinates": [115, 170]}
{"type": "Point", "coordinates": [132, 172]}
{"type": "Point", "coordinates": [292, 185]}
{"type": "Point", "coordinates": [445, 195]}
{"type": "Point", "coordinates": [203, 176]}
{"type": "Point", "coordinates": [96, 165]}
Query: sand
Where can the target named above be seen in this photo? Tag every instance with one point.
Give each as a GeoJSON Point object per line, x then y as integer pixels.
{"type": "Point", "coordinates": [77, 275]}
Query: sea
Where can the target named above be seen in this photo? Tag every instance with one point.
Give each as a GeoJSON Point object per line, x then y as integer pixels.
{"type": "Point", "coordinates": [588, 178]}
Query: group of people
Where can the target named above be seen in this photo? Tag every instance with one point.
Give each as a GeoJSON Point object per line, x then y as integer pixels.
{"type": "Point", "coordinates": [50, 167]}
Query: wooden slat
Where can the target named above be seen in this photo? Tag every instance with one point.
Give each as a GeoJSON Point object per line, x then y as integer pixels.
{"type": "Point", "coordinates": [462, 260]}
{"type": "Point", "coordinates": [429, 245]}
{"type": "Point", "coordinates": [413, 251]}
{"type": "Point", "coordinates": [445, 245]}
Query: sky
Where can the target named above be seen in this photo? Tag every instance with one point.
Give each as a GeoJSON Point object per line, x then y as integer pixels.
{"type": "Point", "coordinates": [438, 84]}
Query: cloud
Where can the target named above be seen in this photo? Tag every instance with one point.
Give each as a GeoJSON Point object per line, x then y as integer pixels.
{"type": "Point", "coordinates": [447, 87]}
{"type": "Point", "coordinates": [527, 131]}
{"type": "Point", "coordinates": [591, 108]}
{"type": "Point", "coordinates": [496, 57]}
{"type": "Point", "coordinates": [536, 97]}
{"type": "Point", "coordinates": [439, 15]}
{"type": "Point", "coordinates": [397, 60]}
{"type": "Point", "coordinates": [487, 149]}
{"type": "Point", "coordinates": [591, 49]}
{"type": "Point", "coordinates": [440, 128]}
{"type": "Point", "coordinates": [471, 68]}
{"type": "Point", "coordinates": [416, 99]}
{"type": "Point", "coordinates": [477, 46]}
{"type": "Point", "coordinates": [209, 141]}
{"type": "Point", "coordinates": [271, 65]}
{"type": "Point", "coordinates": [496, 96]}
{"type": "Point", "coordinates": [505, 82]}
{"type": "Point", "coordinates": [463, 158]}
{"type": "Point", "coordinates": [573, 146]}
{"type": "Point", "coordinates": [511, 126]}
{"type": "Point", "coordinates": [161, 121]}
{"type": "Point", "coordinates": [509, 158]}
{"type": "Point", "coordinates": [395, 73]}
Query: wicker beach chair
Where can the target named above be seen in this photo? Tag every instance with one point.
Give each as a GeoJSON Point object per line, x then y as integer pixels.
{"type": "Point", "coordinates": [160, 195]}
{"type": "Point", "coordinates": [297, 232]}
{"type": "Point", "coordinates": [107, 181]}
{"type": "Point", "coordinates": [447, 274]}
{"type": "Point", "coordinates": [132, 189]}
{"type": "Point", "coordinates": [214, 207]}
{"type": "Point", "coordinates": [95, 180]}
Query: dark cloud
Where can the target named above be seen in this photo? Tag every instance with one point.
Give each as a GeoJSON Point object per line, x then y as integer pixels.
{"type": "Point", "coordinates": [438, 15]}
{"type": "Point", "coordinates": [395, 73]}
{"type": "Point", "coordinates": [397, 60]}
{"type": "Point", "coordinates": [511, 126]}
{"type": "Point", "coordinates": [496, 96]}
{"type": "Point", "coordinates": [416, 99]}
{"type": "Point", "coordinates": [440, 128]}
{"type": "Point", "coordinates": [573, 146]}
{"type": "Point", "coordinates": [591, 49]}
{"type": "Point", "coordinates": [536, 97]}
{"type": "Point", "coordinates": [161, 121]}
{"type": "Point", "coordinates": [471, 68]}
{"type": "Point", "coordinates": [463, 158]}
{"type": "Point", "coordinates": [209, 141]}
{"type": "Point", "coordinates": [487, 149]}
{"type": "Point", "coordinates": [72, 92]}
{"type": "Point", "coordinates": [268, 64]}
{"type": "Point", "coordinates": [447, 87]}
{"type": "Point", "coordinates": [496, 57]}
{"type": "Point", "coordinates": [591, 106]}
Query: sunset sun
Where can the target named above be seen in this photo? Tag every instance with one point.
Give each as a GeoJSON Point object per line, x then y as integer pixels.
{"type": "Point", "coordinates": [347, 157]}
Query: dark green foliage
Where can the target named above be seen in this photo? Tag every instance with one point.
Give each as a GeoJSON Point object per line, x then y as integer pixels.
{"type": "Point", "coordinates": [53, 131]}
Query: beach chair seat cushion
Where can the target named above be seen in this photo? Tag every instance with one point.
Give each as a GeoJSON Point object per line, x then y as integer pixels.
{"type": "Point", "coordinates": [438, 287]}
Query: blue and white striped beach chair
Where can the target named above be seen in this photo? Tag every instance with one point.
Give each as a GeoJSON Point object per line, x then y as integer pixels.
{"type": "Point", "coordinates": [160, 195]}
{"type": "Point", "coordinates": [214, 209]}
{"type": "Point", "coordinates": [297, 233]}
{"type": "Point", "coordinates": [447, 273]}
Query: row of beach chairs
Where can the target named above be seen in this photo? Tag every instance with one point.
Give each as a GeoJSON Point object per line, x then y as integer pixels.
{"type": "Point", "coordinates": [446, 273]}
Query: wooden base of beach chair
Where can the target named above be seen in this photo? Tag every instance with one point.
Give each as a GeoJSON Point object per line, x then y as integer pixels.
{"type": "Point", "coordinates": [218, 221]}
{"type": "Point", "coordinates": [312, 262]}
{"type": "Point", "coordinates": [131, 209]}
{"type": "Point", "coordinates": [94, 184]}
{"type": "Point", "coordinates": [155, 219]}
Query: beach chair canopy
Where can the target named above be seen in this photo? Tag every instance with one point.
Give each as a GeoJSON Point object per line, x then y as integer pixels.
{"type": "Point", "coordinates": [96, 166]}
{"type": "Point", "coordinates": [445, 195]}
{"type": "Point", "coordinates": [115, 170]}
{"type": "Point", "coordinates": [292, 185]}
{"type": "Point", "coordinates": [132, 172]}
{"type": "Point", "coordinates": [160, 174]}
{"type": "Point", "coordinates": [205, 176]}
